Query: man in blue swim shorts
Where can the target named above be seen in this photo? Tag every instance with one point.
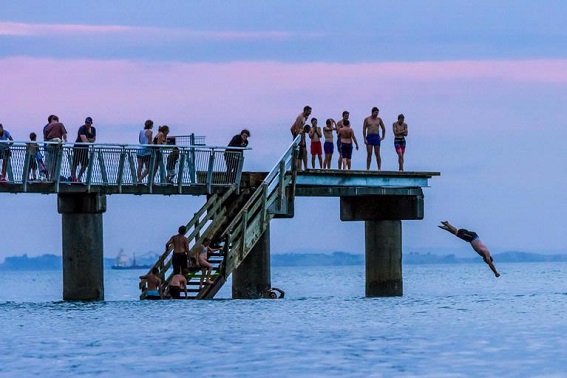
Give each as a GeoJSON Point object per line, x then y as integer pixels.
{"type": "Point", "coordinates": [472, 237]}
{"type": "Point", "coordinates": [371, 133]}
{"type": "Point", "coordinates": [152, 283]}
{"type": "Point", "coordinates": [347, 137]}
{"type": "Point", "coordinates": [328, 147]}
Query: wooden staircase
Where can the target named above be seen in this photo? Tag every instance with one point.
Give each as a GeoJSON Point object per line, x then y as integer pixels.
{"type": "Point", "coordinates": [235, 222]}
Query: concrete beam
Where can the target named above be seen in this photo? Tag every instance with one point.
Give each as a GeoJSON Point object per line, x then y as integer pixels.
{"type": "Point", "coordinates": [83, 274]}
{"type": "Point", "coordinates": [385, 207]}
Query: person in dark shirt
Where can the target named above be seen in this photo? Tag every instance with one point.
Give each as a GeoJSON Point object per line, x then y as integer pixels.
{"type": "Point", "coordinates": [86, 134]}
{"type": "Point", "coordinates": [471, 237]}
{"type": "Point", "coordinates": [233, 156]}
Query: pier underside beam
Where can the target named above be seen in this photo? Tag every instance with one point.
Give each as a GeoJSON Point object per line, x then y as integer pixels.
{"type": "Point", "coordinates": [83, 274]}
{"type": "Point", "coordinates": [252, 279]}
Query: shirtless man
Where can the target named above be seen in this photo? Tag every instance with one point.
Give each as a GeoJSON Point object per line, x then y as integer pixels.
{"type": "Point", "coordinates": [153, 284]}
{"type": "Point", "coordinates": [472, 237]}
{"type": "Point", "coordinates": [346, 133]}
{"type": "Point", "coordinates": [328, 147]}
{"type": "Point", "coordinates": [180, 250]}
{"type": "Point", "coordinates": [316, 149]}
{"type": "Point", "coordinates": [346, 114]}
{"type": "Point", "coordinates": [206, 267]}
{"type": "Point", "coordinates": [297, 126]}
{"type": "Point", "coordinates": [371, 133]}
{"type": "Point", "coordinates": [177, 283]}
{"type": "Point", "coordinates": [400, 129]}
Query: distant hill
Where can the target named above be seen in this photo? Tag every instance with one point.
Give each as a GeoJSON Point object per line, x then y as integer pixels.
{"type": "Point", "coordinates": [53, 262]}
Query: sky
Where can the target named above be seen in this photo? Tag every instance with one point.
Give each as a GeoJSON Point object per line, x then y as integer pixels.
{"type": "Point", "coordinates": [482, 86]}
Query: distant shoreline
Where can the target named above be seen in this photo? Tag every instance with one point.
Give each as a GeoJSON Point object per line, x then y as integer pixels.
{"type": "Point", "coordinates": [53, 262]}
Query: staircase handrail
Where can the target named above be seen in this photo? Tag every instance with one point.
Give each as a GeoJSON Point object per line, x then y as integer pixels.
{"type": "Point", "coordinates": [256, 209]}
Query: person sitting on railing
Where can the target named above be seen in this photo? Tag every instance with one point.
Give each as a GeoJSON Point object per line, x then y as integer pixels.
{"type": "Point", "coordinates": [86, 134]}
{"type": "Point", "coordinates": [144, 154]}
{"type": "Point", "coordinates": [153, 284]}
{"type": "Point", "coordinates": [4, 150]}
{"type": "Point", "coordinates": [273, 295]}
{"type": "Point", "coordinates": [177, 283]}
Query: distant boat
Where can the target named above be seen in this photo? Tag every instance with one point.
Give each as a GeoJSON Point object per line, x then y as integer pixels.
{"type": "Point", "coordinates": [123, 262]}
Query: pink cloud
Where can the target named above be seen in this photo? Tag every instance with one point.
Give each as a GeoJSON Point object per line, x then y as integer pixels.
{"type": "Point", "coordinates": [72, 30]}
{"type": "Point", "coordinates": [216, 99]}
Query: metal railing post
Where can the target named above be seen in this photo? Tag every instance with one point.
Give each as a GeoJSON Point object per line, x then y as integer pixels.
{"type": "Point", "coordinates": [120, 172]}
{"type": "Point", "coordinates": [210, 171]}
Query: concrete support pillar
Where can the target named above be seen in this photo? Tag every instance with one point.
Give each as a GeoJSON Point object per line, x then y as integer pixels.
{"type": "Point", "coordinates": [252, 279]}
{"type": "Point", "coordinates": [83, 275]}
{"type": "Point", "coordinates": [383, 245]}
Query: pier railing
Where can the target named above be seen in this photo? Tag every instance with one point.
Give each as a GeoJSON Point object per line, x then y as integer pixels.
{"type": "Point", "coordinates": [118, 164]}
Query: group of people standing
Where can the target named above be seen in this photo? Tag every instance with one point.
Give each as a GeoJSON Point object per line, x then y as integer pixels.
{"type": "Point", "coordinates": [144, 153]}
{"type": "Point", "coordinates": [55, 133]}
{"type": "Point", "coordinates": [373, 132]}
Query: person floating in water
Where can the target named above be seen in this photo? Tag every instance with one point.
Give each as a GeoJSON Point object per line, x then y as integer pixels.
{"type": "Point", "coordinates": [273, 293]}
{"type": "Point", "coordinates": [476, 243]}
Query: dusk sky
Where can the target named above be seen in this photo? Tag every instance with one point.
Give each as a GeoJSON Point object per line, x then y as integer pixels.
{"type": "Point", "coordinates": [482, 85]}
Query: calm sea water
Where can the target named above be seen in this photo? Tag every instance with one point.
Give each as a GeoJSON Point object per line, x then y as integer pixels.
{"type": "Point", "coordinates": [453, 320]}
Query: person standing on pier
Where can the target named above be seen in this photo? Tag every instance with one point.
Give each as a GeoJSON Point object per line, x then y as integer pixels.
{"type": "Point", "coordinates": [180, 250]}
{"type": "Point", "coordinates": [297, 127]}
{"type": "Point", "coordinates": [55, 132]}
{"type": "Point", "coordinates": [328, 146]}
{"type": "Point", "coordinates": [86, 134]}
{"type": "Point", "coordinates": [371, 133]}
{"type": "Point", "coordinates": [400, 129]}
{"type": "Point", "coordinates": [340, 124]}
{"type": "Point", "coordinates": [5, 142]}
{"type": "Point", "coordinates": [144, 154]}
{"type": "Point", "coordinates": [472, 237]}
{"type": "Point", "coordinates": [315, 135]}
{"type": "Point", "coordinates": [160, 140]}
{"type": "Point", "coordinates": [346, 133]}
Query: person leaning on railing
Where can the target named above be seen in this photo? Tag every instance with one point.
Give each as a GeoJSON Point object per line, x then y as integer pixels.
{"type": "Point", "coordinates": [232, 156]}
{"type": "Point", "coordinates": [4, 150]}
{"type": "Point", "coordinates": [54, 132]}
{"type": "Point", "coordinates": [144, 154]}
{"type": "Point", "coordinates": [86, 134]}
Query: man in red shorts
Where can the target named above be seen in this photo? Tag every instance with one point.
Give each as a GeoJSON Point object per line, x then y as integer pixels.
{"type": "Point", "coordinates": [316, 147]}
